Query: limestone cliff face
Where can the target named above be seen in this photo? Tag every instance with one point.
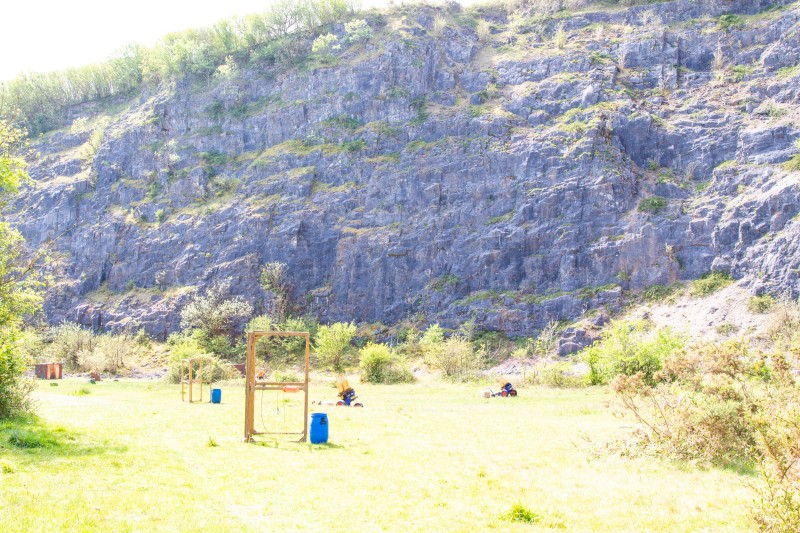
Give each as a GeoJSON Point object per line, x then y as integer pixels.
{"type": "Point", "coordinates": [430, 173]}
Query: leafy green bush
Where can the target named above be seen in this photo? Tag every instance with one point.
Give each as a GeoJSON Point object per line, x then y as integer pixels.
{"type": "Point", "coordinates": [279, 352]}
{"type": "Point", "coordinates": [325, 45]}
{"type": "Point", "coordinates": [710, 283]}
{"type": "Point", "coordinates": [629, 348]}
{"type": "Point", "coordinates": [557, 375]}
{"type": "Point", "coordinates": [286, 375]}
{"type": "Point", "coordinates": [333, 348]}
{"type": "Point", "coordinates": [760, 304]}
{"type": "Point", "coordinates": [433, 335]}
{"type": "Point", "coordinates": [358, 31]}
{"type": "Point", "coordinates": [717, 404]}
{"type": "Point", "coordinates": [67, 341]}
{"type": "Point", "coordinates": [187, 348]}
{"type": "Point", "coordinates": [657, 293]}
{"type": "Point", "coordinates": [653, 204]}
{"type": "Point", "coordinates": [379, 364]}
{"type": "Point", "coordinates": [454, 357]}
{"type": "Point", "coordinates": [214, 320]}
{"type": "Point", "coordinates": [730, 22]}
{"type": "Point", "coordinates": [109, 353]}
{"type": "Point", "coordinates": [15, 390]}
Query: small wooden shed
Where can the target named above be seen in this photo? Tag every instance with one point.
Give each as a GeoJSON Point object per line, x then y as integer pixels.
{"type": "Point", "coordinates": [48, 370]}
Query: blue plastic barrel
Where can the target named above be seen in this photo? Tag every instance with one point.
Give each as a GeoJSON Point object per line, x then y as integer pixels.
{"type": "Point", "coordinates": [216, 395]}
{"type": "Point", "coordinates": [319, 428]}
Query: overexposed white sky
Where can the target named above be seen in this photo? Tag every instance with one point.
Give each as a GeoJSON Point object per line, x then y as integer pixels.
{"type": "Point", "coordinates": [45, 35]}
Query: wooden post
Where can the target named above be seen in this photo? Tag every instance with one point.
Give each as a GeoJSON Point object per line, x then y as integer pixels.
{"type": "Point", "coordinates": [305, 416]}
{"type": "Point", "coordinates": [190, 380]}
{"type": "Point", "coordinates": [249, 391]}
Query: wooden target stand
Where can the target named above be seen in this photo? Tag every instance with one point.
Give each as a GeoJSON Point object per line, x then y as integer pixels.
{"type": "Point", "coordinates": [252, 385]}
{"type": "Point", "coordinates": [201, 378]}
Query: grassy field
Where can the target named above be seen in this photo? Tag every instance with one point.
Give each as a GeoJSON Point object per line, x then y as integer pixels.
{"type": "Point", "coordinates": [130, 456]}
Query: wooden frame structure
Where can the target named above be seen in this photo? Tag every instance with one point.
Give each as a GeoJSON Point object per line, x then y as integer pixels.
{"type": "Point", "coordinates": [251, 385]}
{"type": "Point", "coordinates": [191, 381]}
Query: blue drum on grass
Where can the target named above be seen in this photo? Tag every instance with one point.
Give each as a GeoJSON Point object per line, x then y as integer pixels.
{"type": "Point", "coordinates": [216, 395]}
{"type": "Point", "coordinates": [319, 428]}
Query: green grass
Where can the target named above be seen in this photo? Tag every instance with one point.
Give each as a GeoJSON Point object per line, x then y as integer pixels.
{"type": "Point", "coordinates": [760, 304]}
{"type": "Point", "coordinates": [425, 457]}
{"type": "Point", "coordinates": [653, 204]}
{"type": "Point", "coordinates": [710, 283]}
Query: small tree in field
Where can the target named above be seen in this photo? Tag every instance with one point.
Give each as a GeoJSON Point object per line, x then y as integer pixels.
{"type": "Point", "coordinates": [333, 345]}
{"type": "Point", "coordinates": [215, 318]}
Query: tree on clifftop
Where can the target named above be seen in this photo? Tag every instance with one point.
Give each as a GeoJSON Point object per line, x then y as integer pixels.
{"type": "Point", "coordinates": [18, 295]}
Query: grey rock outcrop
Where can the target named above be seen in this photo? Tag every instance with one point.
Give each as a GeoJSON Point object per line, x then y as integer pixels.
{"type": "Point", "coordinates": [508, 181]}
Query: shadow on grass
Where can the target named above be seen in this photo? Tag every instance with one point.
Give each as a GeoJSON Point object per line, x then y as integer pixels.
{"type": "Point", "coordinates": [292, 446]}
{"type": "Point", "coordinates": [743, 468]}
{"type": "Point", "coordinates": [31, 437]}
{"type": "Point", "coordinates": [325, 445]}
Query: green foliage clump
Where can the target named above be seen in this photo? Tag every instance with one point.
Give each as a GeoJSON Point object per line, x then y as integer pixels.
{"type": "Point", "coordinates": [358, 31]}
{"type": "Point", "coordinates": [520, 513]}
{"type": "Point", "coordinates": [793, 164]}
{"type": "Point", "coordinates": [653, 205]}
{"type": "Point", "coordinates": [7, 466]}
{"type": "Point", "coordinates": [557, 375]}
{"type": "Point", "coordinates": [333, 348]}
{"type": "Point", "coordinates": [730, 22]}
{"type": "Point", "coordinates": [657, 293]}
{"type": "Point", "coordinates": [109, 353]}
{"type": "Point", "coordinates": [454, 357]}
{"type": "Point", "coordinates": [182, 346]}
{"type": "Point", "coordinates": [280, 352]}
{"type": "Point", "coordinates": [25, 438]}
{"type": "Point", "coordinates": [67, 341]}
{"type": "Point", "coordinates": [710, 283]}
{"type": "Point", "coordinates": [354, 146]}
{"type": "Point", "coordinates": [444, 281]}
{"type": "Point", "coordinates": [380, 364]}
{"type": "Point", "coordinates": [723, 405]}
{"type": "Point", "coordinates": [630, 348]}
{"type": "Point", "coordinates": [19, 296]}
{"type": "Point", "coordinates": [325, 45]}
{"type": "Point", "coordinates": [761, 304]}
{"type": "Point", "coordinates": [214, 319]}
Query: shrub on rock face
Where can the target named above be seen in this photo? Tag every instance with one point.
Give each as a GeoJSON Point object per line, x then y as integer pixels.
{"type": "Point", "coordinates": [710, 283]}
{"type": "Point", "coordinates": [358, 31]}
{"type": "Point", "coordinates": [653, 205]}
{"type": "Point", "coordinates": [761, 304]}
